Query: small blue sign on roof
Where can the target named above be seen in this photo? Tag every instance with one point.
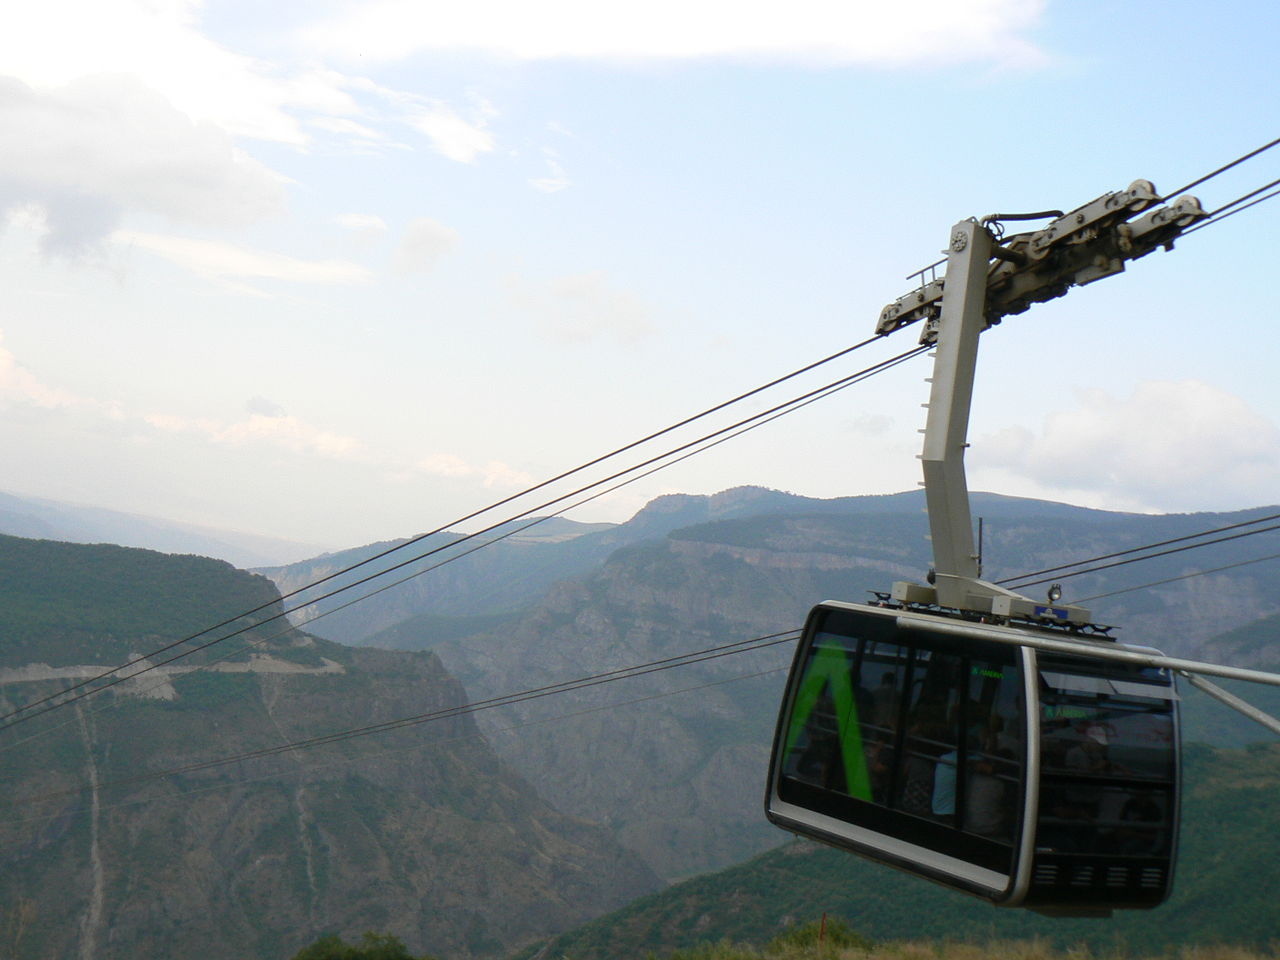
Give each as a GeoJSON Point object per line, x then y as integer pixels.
{"type": "Point", "coordinates": [1058, 613]}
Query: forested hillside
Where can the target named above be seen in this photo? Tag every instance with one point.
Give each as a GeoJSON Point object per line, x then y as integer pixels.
{"type": "Point", "coordinates": [583, 800]}
{"type": "Point", "coordinates": [1228, 871]}
{"type": "Point", "coordinates": [672, 763]}
{"type": "Point", "coordinates": [423, 833]}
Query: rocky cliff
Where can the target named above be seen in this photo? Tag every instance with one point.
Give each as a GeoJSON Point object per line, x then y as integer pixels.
{"type": "Point", "coordinates": [423, 833]}
{"type": "Point", "coordinates": [674, 763]}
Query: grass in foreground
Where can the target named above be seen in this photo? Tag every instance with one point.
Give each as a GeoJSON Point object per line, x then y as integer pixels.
{"type": "Point", "coordinates": [837, 941]}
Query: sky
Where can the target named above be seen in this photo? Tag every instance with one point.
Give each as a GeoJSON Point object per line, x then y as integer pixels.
{"type": "Point", "coordinates": [344, 271]}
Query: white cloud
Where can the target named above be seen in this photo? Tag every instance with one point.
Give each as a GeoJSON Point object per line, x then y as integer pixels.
{"type": "Point", "coordinates": [114, 107]}
{"type": "Point", "coordinates": [425, 242]}
{"type": "Point", "coordinates": [504, 476]}
{"type": "Point", "coordinates": [283, 431]}
{"type": "Point", "coordinates": [492, 474]}
{"type": "Point", "coordinates": [364, 229]}
{"type": "Point", "coordinates": [556, 179]}
{"type": "Point", "coordinates": [347, 128]}
{"type": "Point", "coordinates": [584, 307]}
{"type": "Point", "coordinates": [444, 465]}
{"type": "Point", "coordinates": [87, 153]}
{"type": "Point", "coordinates": [292, 434]}
{"type": "Point", "coordinates": [361, 222]}
{"type": "Point", "coordinates": [217, 260]}
{"type": "Point", "coordinates": [1183, 445]}
{"type": "Point", "coordinates": [269, 425]}
{"type": "Point", "coordinates": [809, 31]}
{"type": "Point", "coordinates": [19, 385]}
{"type": "Point", "coordinates": [451, 135]}
{"type": "Point", "coordinates": [158, 43]}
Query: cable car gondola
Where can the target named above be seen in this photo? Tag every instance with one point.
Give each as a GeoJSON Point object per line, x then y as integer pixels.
{"type": "Point", "coordinates": [993, 759]}
{"type": "Point", "coordinates": [960, 730]}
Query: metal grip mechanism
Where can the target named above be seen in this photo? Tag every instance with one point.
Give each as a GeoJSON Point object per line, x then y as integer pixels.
{"type": "Point", "coordinates": [985, 281]}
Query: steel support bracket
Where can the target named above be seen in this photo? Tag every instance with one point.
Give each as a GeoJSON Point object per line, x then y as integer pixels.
{"type": "Point", "coordinates": [986, 281]}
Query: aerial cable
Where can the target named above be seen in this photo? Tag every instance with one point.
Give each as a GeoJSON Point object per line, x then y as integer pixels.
{"type": "Point", "coordinates": [307, 621]}
{"type": "Point", "coordinates": [420, 537]}
{"type": "Point", "coordinates": [385, 752]}
{"type": "Point", "coordinates": [1222, 212]}
{"type": "Point", "coordinates": [14, 720]}
{"type": "Point", "coordinates": [465, 709]}
{"type": "Point", "coordinates": [1185, 576]}
{"type": "Point", "coordinates": [1223, 169]}
{"type": "Point", "coordinates": [689, 659]}
{"type": "Point", "coordinates": [822, 394]}
{"type": "Point", "coordinates": [1150, 556]}
{"type": "Point", "coordinates": [1240, 199]}
{"type": "Point", "coordinates": [744, 646]}
{"type": "Point", "coordinates": [794, 402]}
{"type": "Point", "coordinates": [1148, 546]}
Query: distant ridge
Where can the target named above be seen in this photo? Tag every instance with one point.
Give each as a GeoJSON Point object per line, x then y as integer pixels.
{"type": "Point", "coordinates": [40, 519]}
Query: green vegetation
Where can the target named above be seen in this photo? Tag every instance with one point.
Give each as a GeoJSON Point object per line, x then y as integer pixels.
{"type": "Point", "coordinates": [822, 936]}
{"type": "Point", "coordinates": [428, 629]}
{"type": "Point", "coordinates": [65, 603]}
{"type": "Point", "coordinates": [372, 946]}
{"type": "Point", "coordinates": [1227, 873]}
{"type": "Point", "coordinates": [782, 949]}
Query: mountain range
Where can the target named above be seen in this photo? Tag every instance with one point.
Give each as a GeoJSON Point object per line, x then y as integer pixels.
{"type": "Point", "coordinates": [672, 762]}
{"type": "Point", "coordinates": [471, 836]}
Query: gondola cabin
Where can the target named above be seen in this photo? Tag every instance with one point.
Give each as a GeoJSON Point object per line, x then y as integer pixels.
{"type": "Point", "coordinates": [964, 753]}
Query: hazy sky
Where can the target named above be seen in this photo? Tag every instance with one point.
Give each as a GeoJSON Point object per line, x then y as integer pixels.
{"type": "Point", "coordinates": [344, 271]}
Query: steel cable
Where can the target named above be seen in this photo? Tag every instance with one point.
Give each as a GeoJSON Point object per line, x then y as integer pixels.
{"type": "Point", "coordinates": [29, 711]}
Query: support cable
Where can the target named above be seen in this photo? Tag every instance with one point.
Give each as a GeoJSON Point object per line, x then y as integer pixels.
{"type": "Point", "coordinates": [465, 709]}
{"type": "Point", "coordinates": [1223, 169]}
{"type": "Point", "coordinates": [1218, 215]}
{"type": "Point", "coordinates": [471, 516]}
{"type": "Point", "coordinates": [15, 718]}
{"type": "Point", "coordinates": [256, 642]}
{"type": "Point", "coordinates": [1150, 546]}
{"type": "Point", "coordinates": [1150, 556]}
{"type": "Point", "coordinates": [366, 758]}
{"type": "Point", "coordinates": [1185, 576]}
{"type": "Point", "coordinates": [701, 656]}
{"type": "Point", "coordinates": [1221, 213]}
